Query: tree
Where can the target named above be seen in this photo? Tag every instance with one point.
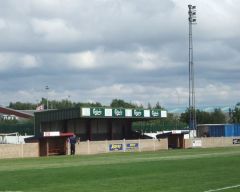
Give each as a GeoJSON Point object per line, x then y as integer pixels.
{"type": "Point", "coordinates": [117, 103]}
{"type": "Point", "coordinates": [203, 117]}
{"type": "Point", "coordinates": [149, 106]}
{"type": "Point", "coordinates": [52, 104]}
{"type": "Point", "coordinates": [235, 114]}
{"type": "Point", "coordinates": [218, 116]}
{"type": "Point", "coordinates": [157, 106]}
{"type": "Point", "coordinates": [22, 106]}
{"type": "Point", "coordinates": [184, 117]}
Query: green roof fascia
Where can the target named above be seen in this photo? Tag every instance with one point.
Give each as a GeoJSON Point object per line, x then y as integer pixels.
{"type": "Point", "coordinates": [104, 112]}
{"type": "Point", "coordinates": [56, 115]}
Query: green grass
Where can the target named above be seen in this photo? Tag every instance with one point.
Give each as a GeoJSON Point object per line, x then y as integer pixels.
{"type": "Point", "coordinates": [174, 170]}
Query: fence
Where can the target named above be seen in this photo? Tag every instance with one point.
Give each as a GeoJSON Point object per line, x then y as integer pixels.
{"type": "Point", "coordinates": [19, 151]}
{"type": "Point", "coordinates": [209, 142]}
{"type": "Point", "coordinates": [95, 147]}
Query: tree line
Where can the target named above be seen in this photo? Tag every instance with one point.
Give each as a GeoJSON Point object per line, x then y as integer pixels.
{"type": "Point", "coordinates": [215, 117]}
{"type": "Point", "coordinates": [65, 103]}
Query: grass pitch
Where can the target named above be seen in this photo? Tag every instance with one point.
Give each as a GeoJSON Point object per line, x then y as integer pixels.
{"type": "Point", "coordinates": [190, 170]}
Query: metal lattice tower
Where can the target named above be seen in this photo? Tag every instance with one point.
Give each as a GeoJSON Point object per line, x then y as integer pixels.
{"type": "Point", "coordinates": [192, 110]}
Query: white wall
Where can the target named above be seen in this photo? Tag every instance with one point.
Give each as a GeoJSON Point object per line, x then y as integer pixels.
{"type": "Point", "coordinates": [13, 139]}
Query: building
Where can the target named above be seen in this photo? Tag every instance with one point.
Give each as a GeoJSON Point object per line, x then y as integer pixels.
{"type": "Point", "coordinates": [218, 130]}
{"type": "Point", "coordinates": [16, 121]}
{"type": "Point", "coordinates": [93, 123]}
{"type": "Point", "coordinates": [52, 127]}
{"type": "Point", "coordinates": [11, 114]}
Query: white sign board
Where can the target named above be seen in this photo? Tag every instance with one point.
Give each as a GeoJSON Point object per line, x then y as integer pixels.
{"type": "Point", "coordinates": [146, 113]}
{"type": "Point", "coordinates": [86, 112]}
{"type": "Point", "coordinates": [163, 113]}
{"type": "Point", "coordinates": [51, 133]}
{"type": "Point", "coordinates": [197, 143]}
{"type": "Point", "coordinates": [108, 112]}
{"type": "Point", "coordinates": [176, 132]}
{"type": "Point", "coordinates": [128, 113]}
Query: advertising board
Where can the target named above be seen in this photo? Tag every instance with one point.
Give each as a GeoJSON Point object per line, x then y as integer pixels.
{"type": "Point", "coordinates": [131, 146]}
{"type": "Point", "coordinates": [197, 143]}
{"type": "Point", "coordinates": [122, 113]}
{"type": "Point", "coordinates": [115, 147]}
{"type": "Point", "coordinates": [236, 141]}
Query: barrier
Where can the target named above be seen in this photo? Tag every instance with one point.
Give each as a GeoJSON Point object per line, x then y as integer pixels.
{"type": "Point", "coordinates": [19, 150]}
{"type": "Point", "coordinates": [210, 142]}
{"type": "Point", "coordinates": [110, 146]}
{"type": "Point", "coordinates": [96, 147]}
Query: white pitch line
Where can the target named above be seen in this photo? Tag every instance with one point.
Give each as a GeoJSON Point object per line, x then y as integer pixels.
{"type": "Point", "coordinates": [224, 188]}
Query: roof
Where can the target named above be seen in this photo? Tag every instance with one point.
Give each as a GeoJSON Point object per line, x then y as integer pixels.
{"type": "Point", "coordinates": [68, 134]}
{"type": "Point", "coordinates": [99, 112]}
{"type": "Point", "coordinates": [30, 112]}
{"type": "Point", "coordinates": [173, 132]}
{"type": "Point", "coordinates": [18, 113]}
{"type": "Point", "coordinates": [34, 139]}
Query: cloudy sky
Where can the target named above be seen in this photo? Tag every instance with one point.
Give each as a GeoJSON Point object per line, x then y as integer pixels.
{"type": "Point", "coordinates": [136, 50]}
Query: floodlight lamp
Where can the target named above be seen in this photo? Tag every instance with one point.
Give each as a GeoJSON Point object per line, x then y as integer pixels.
{"type": "Point", "coordinates": [193, 10]}
{"type": "Point", "coordinates": [194, 16]}
{"type": "Point", "coordinates": [194, 7]}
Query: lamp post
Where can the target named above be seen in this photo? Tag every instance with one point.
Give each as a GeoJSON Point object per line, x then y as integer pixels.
{"type": "Point", "coordinates": [47, 88]}
{"type": "Point", "coordinates": [192, 110]}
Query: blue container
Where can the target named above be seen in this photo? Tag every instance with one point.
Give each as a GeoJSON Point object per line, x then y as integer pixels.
{"type": "Point", "coordinates": [229, 130]}
{"type": "Point", "coordinates": [236, 129]}
{"type": "Point", "coordinates": [216, 130]}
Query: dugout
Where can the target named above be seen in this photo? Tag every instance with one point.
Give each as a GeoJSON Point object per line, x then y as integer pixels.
{"type": "Point", "coordinates": [54, 145]}
{"type": "Point", "coordinates": [51, 143]}
{"type": "Point", "coordinates": [94, 124]}
{"type": "Point", "coordinates": [175, 138]}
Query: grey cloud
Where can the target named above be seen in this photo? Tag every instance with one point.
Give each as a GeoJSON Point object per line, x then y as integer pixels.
{"type": "Point", "coordinates": [99, 50]}
{"type": "Point", "coordinates": [106, 23]}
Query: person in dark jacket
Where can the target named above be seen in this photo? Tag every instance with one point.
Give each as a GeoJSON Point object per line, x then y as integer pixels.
{"type": "Point", "coordinates": [73, 141]}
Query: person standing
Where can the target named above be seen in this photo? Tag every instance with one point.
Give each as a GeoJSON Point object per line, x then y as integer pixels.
{"type": "Point", "coordinates": [73, 141]}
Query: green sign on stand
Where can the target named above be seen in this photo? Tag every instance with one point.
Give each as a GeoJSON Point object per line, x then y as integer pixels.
{"type": "Point", "coordinates": [97, 112]}
{"type": "Point", "coordinates": [155, 113]}
{"type": "Point", "coordinates": [138, 113]}
{"type": "Point", "coordinates": [118, 112]}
